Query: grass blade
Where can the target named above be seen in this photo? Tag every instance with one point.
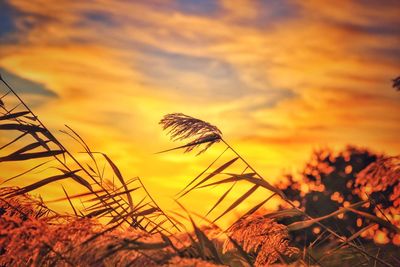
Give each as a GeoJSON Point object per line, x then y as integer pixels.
{"type": "Point", "coordinates": [22, 127]}
{"type": "Point", "coordinates": [201, 174]}
{"type": "Point", "coordinates": [13, 115]}
{"type": "Point", "coordinates": [238, 201]}
{"type": "Point", "coordinates": [70, 202]}
{"type": "Point", "coordinates": [25, 172]}
{"type": "Point", "coordinates": [221, 199]}
{"type": "Point", "coordinates": [307, 223]}
{"type": "Point", "coordinates": [43, 182]}
{"type": "Point", "coordinates": [376, 219]}
{"type": "Point", "coordinates": [28, 156]}
{"type": "Point", "coordinates": [120, 178]}
{"type": "Point", "coordinates": [211, 175]}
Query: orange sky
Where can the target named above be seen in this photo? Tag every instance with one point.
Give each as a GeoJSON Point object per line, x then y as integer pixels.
{"type": "Point", "coordinates": [279, 78]}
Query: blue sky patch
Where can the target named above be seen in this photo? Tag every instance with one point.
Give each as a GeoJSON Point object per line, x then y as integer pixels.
{"type": "Point", "coordinates": [202, 8]}
{"type": "Point", "coordinates": [22, 85]}
{"type": "Point", "coordinates": [7, 14]}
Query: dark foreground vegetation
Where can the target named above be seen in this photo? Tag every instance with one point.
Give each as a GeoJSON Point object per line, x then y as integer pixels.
{"type": "Point", "coordinates": [342, 209]}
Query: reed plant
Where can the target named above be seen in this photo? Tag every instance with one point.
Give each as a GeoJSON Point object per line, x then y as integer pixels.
{"type": "Point", "coordinates": [121, 224]}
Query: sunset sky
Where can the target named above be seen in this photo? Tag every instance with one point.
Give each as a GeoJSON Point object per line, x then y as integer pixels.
{"type": "Point", "coordinates": [279, 78]}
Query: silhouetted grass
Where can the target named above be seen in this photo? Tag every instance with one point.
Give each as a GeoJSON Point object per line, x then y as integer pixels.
{"type": "Point", "coordinates": [120, 223]}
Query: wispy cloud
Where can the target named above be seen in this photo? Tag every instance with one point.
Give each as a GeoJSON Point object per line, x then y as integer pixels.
{"type": "Point", "coordinates": [279, 77]}
{"type": "Point", "coordinates": [26, 86]}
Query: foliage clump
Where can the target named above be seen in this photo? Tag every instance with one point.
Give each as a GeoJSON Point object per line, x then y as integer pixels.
{"type": "Point", "coordinates": [331, 181]}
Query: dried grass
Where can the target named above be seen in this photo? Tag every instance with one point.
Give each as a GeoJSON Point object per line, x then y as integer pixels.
{"type": "Point", "coordinates": [264, 237]}
{"type": "Point", "coordinates": [136, 233]}
{"type": "Point", "coordinates": [29, 240]}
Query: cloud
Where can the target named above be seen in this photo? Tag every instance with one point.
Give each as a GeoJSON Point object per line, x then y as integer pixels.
{"type": "Point", "coordinates": [24, 86]}
{"type": "Point", "coordinates": [278, 77]}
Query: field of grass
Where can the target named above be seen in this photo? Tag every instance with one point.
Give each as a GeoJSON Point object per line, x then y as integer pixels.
{"type": "Point", "coordinates": [342, 210]}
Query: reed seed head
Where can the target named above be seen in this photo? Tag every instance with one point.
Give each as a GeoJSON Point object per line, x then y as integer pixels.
{"type": "Point", "coordinates": [181, 127]}
{"type": "Point", "coordinates": [262, 236]}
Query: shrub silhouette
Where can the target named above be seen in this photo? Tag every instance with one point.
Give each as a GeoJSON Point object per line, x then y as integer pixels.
{"type": "Point", "coordinates": [331, 181]}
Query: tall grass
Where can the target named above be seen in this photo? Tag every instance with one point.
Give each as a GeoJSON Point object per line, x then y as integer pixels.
{"type": "Point", "coordinates": [105, 196]}
{"type": "Point", "coordinates": [120, 223]}
{"type": "Point", "coordinates": [222, 175]}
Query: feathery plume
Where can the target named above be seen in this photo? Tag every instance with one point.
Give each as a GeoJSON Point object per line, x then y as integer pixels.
{"type": "Point", "coordinates": [181, 127]}
{"type": "Point", "coordinates": [262, 236]}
